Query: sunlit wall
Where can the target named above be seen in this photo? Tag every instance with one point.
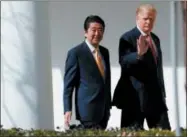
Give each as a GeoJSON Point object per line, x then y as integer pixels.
{"type": "Point", "coordinates": [35, 38]}
{"type": "Point", "coordinates": [26, 78]}
{"type": "Point", "coordinates": [66, 24]}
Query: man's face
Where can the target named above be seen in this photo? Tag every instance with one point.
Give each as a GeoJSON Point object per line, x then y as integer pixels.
{"type": "Point", "coordinates": [145, 20]}
{"type": "Point", "coordinates": [94, 33]}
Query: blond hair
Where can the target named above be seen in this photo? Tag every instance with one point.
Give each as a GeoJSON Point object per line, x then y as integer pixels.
{"type": "Point", "coordinates": [147, 7]}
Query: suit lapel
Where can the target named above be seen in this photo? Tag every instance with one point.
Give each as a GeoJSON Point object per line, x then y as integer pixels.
{"type": "Point", "coordinates": [137, 34]}
{"type": "Point", "coordinates": [91, 60]}
{"type": "Point", "coordinates": [89, 55]}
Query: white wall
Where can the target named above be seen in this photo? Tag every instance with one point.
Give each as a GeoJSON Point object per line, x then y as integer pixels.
{"type": "Point", "coordinates": [26, 78]}
{"type": "Point", "coordinates": [30, 30]}
{"type": "Point", "coordinates": [17, 86]}
{"type": "Point", "coordinates": [66, 24]}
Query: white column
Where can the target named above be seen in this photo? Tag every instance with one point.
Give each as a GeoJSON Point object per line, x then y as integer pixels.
{"type": "Point", "coordinates": [173, 9]}
{"type": "Point", "coordinates": [26, 87]}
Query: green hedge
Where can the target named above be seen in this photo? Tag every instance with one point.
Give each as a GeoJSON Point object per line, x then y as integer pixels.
{"type": "Point", "coordinates": [111, 132]}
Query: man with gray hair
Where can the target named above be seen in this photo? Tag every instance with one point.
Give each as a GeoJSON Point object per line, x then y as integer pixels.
{"type": "Point", "coordinates": [140, 91]}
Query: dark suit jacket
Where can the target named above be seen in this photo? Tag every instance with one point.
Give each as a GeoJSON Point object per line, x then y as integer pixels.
{"type": "Point", "coordinates": [92, 92]}
{"type": "Point", "coordinates": [141, 85]}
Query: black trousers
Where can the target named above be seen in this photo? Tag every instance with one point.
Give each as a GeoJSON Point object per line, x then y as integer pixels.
{"type": "Point", "coordinates": [136, 120]}
{"type": "Point", "coordinates": [164, 122]}
{"type": "Point", "coordinates": [158, 121]}
{"type": "Point", "coordinates": [152, 120]}
{"type": "Point", "coordinates": [131, 120]}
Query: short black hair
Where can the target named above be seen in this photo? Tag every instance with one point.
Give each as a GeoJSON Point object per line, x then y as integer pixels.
{"type": "Point", "coordinates": [91, 19]}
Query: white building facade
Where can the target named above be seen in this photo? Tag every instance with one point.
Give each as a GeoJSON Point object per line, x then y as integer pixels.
{"type": "Point", "coordinates": [35, 38]}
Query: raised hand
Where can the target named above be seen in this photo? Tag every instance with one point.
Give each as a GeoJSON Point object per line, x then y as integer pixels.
{"type": "Point", "coordinates": [142, 45]}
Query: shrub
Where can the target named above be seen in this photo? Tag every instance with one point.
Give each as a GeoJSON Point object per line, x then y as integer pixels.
{"type": "Point", "coordinates": [92, 132]}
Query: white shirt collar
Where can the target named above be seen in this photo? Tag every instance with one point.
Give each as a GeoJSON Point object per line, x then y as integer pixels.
{"type": "Point", "coordinates": [91, 47]}
{"type": "Point", "coordinates": [144, 34]}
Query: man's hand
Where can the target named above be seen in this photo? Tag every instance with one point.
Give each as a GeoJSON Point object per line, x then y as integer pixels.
{"type": "Point", "coordinates": [142, 46]}
{"type": "Point", "coordinates": [67, 117]}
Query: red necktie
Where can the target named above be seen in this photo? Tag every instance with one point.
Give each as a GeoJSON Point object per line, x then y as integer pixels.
{"type": "Point", "coordinates": [151, 45]}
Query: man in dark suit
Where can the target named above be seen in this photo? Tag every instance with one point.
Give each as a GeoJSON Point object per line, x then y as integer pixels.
{"type": "Point", "coordinates": [87, 71]}
{"type": "Point", "coordinates": [140, 91]}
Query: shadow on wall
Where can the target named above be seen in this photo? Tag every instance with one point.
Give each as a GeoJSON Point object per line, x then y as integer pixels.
{"type": "Point", "coordinates": [17, 67]}
{"type": "Point", "coordinates": [27, 70]}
